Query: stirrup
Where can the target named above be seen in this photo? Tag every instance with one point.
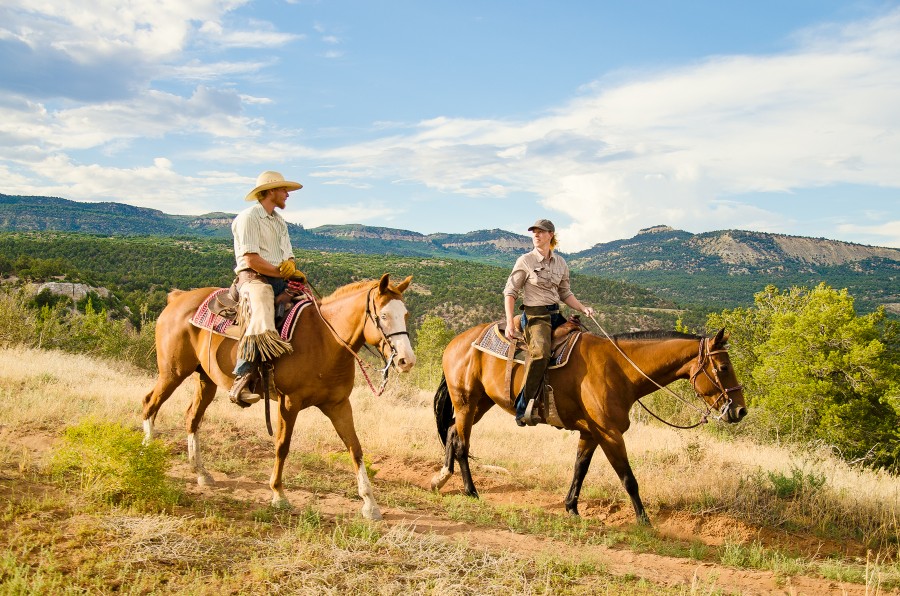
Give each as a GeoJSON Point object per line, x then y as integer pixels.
{"type": "Point", "coordinates": [531, 417]}
{"type": "Point", "coordinates": [239, 392]}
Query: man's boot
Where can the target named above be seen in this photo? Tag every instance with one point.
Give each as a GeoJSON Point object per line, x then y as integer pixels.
{"type": "Point", "coordinates": [240, 393]}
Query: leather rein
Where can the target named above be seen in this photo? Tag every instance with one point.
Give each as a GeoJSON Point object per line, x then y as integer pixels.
{"type": "Point", "coordinates": [703, 362]}
{"type": "Point", "coordinates": [371, 314]}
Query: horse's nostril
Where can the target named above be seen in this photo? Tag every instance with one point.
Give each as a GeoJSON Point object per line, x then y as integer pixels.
{"type": "Point", "coordinates": [739, 413]}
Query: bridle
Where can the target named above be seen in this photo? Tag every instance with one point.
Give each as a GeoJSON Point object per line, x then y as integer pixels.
{"type": "Point", "coordinates": [703, 361]}
{"type": "Point", "coordinates": [704, 358]}
{"type": "Point", "coordinates": [372, 314]}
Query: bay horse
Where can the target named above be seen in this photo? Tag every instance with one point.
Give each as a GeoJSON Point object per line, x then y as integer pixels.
{"type": "Point", "coordinates": [594, 392]}
{"type": "Point", "coordinates": [319, 372]}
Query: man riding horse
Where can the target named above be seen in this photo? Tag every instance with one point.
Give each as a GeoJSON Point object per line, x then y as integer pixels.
{"type": "Point", "coordinates": [265, 269]}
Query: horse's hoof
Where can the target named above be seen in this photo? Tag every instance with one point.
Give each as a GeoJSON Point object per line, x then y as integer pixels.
{"type": "Point", "coordinates": [372, 513]}
{"type": "Point", "coordinates": [205, 479]}
{"type": "Point", "coordinates": [440, 479]}
{"type": "Point", "coordinates": [281, 503]}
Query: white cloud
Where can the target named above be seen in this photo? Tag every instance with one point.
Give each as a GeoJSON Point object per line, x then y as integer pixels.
{"type": "Point", "coordinates": [882, 234]}
{"type": "Point", "coordinates": [208, 111]}
{"type": "Point", "coordinates": [673, 147]}
{"type": "Point", "coordinates": [319, 216]}
{"type": "Point", "coordinates": [261, 34]}
{"type": "Point", "coordinates": [109, 49]}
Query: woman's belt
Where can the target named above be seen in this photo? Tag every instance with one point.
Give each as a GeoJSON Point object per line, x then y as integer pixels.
{"type": "Point", "coordinates": [548, 307]}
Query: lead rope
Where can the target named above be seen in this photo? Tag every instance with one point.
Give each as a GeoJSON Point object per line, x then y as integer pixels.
{"type": "Point", "coordinates": [703, 415]}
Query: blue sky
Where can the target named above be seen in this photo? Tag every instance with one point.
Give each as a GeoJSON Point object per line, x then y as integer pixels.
{"type": "Point", "coordinates": [606, 117]}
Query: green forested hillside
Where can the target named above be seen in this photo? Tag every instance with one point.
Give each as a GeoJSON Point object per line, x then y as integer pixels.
{"type": "Point", "coordinates": [142, 270]}
{"type": "Point", "coordinates": [52, 214]}
{"type": "Point", "coordinates": [701, 272]}
{"type": "Point", "coordinates": [727, 268]}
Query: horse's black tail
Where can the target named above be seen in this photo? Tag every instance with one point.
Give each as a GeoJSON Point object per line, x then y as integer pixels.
{"type": "Point", "coordinates": [443, 410]}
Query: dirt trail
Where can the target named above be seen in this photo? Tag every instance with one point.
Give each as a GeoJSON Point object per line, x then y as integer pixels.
{"type": "Point", "coordinates": [663, 570]}
{"type": "Point", "coordinates": [496, 487]}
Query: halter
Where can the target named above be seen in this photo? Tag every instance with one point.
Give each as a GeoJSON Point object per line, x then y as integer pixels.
{"type": "Point", "coordinates": [703, 357]}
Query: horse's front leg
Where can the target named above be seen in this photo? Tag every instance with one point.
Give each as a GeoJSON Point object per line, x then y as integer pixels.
{"type": "Point", "coordinates": [341, 416]}
{"type": "Point", "coordinates": [613, 445]}
{"type": "Point", "coordinates": [587, 444]}
{"type": "Point", "coordinates": [286, 419]}
{"type": "Point", "coordinates": [206, 392]}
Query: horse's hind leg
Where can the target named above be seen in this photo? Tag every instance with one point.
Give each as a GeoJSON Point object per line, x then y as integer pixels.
{"type": "Point", "coordinates": [166, 383]}
{"type": "Point", "coordinates": [458, 447]}
{"type": "Point", "coordinates": [206, 392]}
{"type": "Point", "coordinates": [587, 444]}
{"type": "Point", "coordinates": [341, 416]}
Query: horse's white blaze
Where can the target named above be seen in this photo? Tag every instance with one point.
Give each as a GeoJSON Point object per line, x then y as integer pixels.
{"type": "Point", "coordinates": [394, 320]}
{"type": "Point", "coordinates": [148, 430]}
{"type": "Point", "coordinates": [441, 478]}
{"type": "Point", "coordinates": [370, 508]}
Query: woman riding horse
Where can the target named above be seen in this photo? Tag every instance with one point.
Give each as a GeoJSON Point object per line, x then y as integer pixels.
{"type": "Point", "coordinates": [593, 394]}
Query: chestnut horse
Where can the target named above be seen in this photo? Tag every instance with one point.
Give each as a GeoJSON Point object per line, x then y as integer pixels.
{"type": "Point", "coordinates": [594, 393]}
{"type": "Point", "coordinates": [319, 372]}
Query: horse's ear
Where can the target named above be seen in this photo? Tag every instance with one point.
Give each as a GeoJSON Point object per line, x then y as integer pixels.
{"type": "Point", "coordinates": [721, 338]}
{"type": "Point", "coordinates": [384, 282]}
{"type": "Point", "coordinates": [401, 287]}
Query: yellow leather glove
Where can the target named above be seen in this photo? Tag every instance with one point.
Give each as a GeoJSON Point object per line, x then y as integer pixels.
{"type": "Point", "coordinates": [299, 276]}
{"type": "Point", "coordinates": [287, 269]}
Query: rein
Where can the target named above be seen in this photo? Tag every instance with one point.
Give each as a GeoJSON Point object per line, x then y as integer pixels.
{"type": "Point", "coordinates": [370, 314]}
{"type": "Point", "coordinates": [702, 358]}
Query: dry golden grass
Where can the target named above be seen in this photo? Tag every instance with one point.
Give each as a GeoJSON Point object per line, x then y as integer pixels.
{"type": "Point", "coordinates": [42, 391]}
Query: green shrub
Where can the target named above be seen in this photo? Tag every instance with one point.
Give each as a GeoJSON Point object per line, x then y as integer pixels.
{"type": "Point", "coordinates": [817, 372]}
{"type": "Point", "coordinates": [53, 325]}
{"type": "Point", "coordinates": [797, 483]}
{"type": "Point", "coordinates": [111, 465]}
{"type": "Point", "coordinates": [433, 336]}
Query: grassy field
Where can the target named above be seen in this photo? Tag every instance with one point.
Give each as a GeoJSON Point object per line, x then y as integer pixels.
{"type": "Point", "coordinates": [729, 516]}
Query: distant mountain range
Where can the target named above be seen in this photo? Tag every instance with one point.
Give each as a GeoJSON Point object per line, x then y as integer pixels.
{"type": "Point", "coordinates": [709, 269]}
{"type": "Point", "coordinates": [28, 213]}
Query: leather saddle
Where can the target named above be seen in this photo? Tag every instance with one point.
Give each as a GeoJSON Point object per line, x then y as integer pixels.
{"type": "Point", "coordinates": [543, 408]}
{"type": "Point", "coordinates": [225, 304]}
{"type": "Point", "coordinates": [560, 334]}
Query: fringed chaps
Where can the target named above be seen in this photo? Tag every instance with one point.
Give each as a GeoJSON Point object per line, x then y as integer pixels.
{"type": "Point", "coordinates": [256, 310]}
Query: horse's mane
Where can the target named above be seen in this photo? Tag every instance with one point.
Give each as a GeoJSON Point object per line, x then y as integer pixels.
{"type": "Point", "coordinates": [348, 289]}
{"type": "Point", "coordinates": [656, 334]}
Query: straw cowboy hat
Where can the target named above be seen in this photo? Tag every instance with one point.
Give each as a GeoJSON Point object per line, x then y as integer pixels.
{"type": "Point", "coordinates": [268, 180]}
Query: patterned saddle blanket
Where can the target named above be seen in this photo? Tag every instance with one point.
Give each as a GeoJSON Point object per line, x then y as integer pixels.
{"type": "Point", "coordinates": [205, 318]}
{"type": "Point", "coordinates": [492, 341]}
